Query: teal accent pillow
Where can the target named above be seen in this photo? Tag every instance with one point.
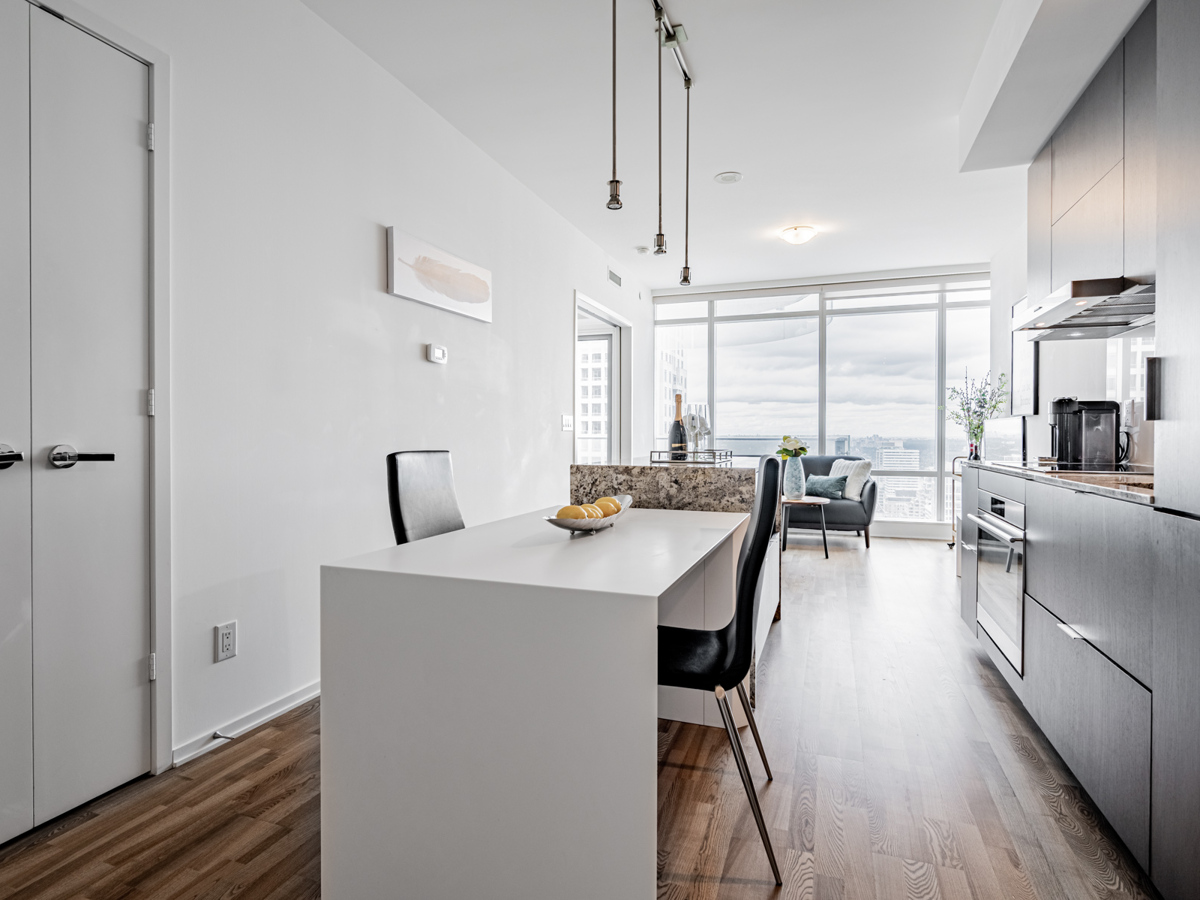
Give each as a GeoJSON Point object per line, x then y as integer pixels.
{"type": "Point", "coordinates": [825, 486]}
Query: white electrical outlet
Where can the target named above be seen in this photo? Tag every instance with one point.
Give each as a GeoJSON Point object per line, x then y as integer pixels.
{"type": "Point", "coordinates": [226, 640]}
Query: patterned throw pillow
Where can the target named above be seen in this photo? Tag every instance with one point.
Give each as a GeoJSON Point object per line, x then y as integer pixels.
{"type": "Point", "coordinates": [825, 486]}
{"type": "Point", "coordinates": [857, 471]}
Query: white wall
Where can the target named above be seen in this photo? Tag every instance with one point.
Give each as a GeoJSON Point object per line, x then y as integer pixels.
{"type": "Point", "coordinates": [294, 373]}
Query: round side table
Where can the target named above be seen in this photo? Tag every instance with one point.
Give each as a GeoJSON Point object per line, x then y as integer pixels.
{"type": "Point", "coordinates": [821, 503]}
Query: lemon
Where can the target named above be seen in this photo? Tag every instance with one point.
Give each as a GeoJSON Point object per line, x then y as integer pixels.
{"type": "Point", "coordinates": [608, 506]}
{"type": "Point", "coordinates": [572, 512]}
{"type": "Point", "coordinates": [593, 511]}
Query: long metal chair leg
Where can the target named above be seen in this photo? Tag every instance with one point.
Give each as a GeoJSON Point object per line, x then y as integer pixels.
{"type": "Point", "coordinates": [741, 689]}
{"type": "Point", "coordinates": [744, 770]}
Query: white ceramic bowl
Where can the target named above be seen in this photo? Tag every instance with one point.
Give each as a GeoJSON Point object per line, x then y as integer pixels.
{"type": "Point", "coordinates": [593, 525]}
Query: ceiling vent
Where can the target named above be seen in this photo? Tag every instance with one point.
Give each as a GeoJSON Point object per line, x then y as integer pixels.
{"type": "Point", "coordinates": [614, 277]}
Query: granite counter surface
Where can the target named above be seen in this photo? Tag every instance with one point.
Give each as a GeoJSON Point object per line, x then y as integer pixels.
{"type": "Point", "coordinates": [1132, 487]}
{"type": "Point", "coordinates": [693, 487]}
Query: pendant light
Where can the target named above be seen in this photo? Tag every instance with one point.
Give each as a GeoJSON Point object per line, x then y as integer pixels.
{"type": "Point", "coordinates": [614, 186]}
{"type": "Point", "coordinates": [660, 239]}
{"type": "Point", "coordinates": [685, 276]}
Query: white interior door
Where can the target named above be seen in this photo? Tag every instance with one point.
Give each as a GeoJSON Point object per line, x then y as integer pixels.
{"type": "Point", "coordinates": [89, 339]}
{"type": "Point", "coordinates": [16, 672]}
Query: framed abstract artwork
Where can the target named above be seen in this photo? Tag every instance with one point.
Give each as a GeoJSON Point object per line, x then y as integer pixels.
{"type": "Point", "coordinates": [422, 272]}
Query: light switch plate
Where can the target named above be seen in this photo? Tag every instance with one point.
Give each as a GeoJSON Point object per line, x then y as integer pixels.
{"type": "Point", "coordinates": [568, 423]}
{"type": "Point", "coordinates": [436, 354]}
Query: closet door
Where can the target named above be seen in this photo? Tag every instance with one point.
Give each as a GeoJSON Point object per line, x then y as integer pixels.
{"type": "Point", "coordinates": [89, 334]}
{"type": "Point", "coordinates": [16, 665]}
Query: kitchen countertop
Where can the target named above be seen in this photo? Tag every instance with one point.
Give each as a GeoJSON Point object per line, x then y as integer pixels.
{"type": "Point", "coordinates": [1132, 487]}
{"type": "Point", "coordinates": [719, 488]}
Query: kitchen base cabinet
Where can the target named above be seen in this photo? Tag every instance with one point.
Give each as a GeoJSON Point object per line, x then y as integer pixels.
{"type": "Point", "coordinates": [968, 534]}
{"type": "Point", "coordinates": [1097, 718]}
{"type": "Point", "coordinates": [1175, 857]}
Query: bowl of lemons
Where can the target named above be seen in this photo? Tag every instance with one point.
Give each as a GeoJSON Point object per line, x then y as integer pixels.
{"type": "Point", "coordinates": [588, 518]}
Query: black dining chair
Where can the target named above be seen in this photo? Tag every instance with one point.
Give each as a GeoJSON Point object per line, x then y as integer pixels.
{"type": "Point", "coordinates": [718, 661]}
{"type": "Point", "coordinates": [421, 494]}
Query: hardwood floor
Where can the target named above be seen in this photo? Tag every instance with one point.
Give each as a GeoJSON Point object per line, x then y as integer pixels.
{"type": "Point", "coordinates": [904, 768]}
{"type": "Point", "coordinates": [244, 821]}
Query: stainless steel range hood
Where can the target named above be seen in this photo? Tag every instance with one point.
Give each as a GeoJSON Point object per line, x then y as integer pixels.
{"type": "Point", "coordinates": [1095, 308]}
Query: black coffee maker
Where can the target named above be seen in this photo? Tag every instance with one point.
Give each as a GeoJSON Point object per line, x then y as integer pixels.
{"type": "Point", "coordinates": [1086, 434]}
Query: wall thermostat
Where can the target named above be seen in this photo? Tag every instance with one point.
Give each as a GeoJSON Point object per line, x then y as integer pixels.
{"type": "Point", "coordinates": [436, 354]}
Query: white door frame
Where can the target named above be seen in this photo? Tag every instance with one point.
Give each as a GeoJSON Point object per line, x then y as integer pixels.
{"type": "Point", "coordinates": [162, 737]}
{"type": "Point", "coordinates": [624, 335]}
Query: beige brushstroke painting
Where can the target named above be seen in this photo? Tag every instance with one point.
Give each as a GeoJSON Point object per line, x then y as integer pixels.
{"type": "Point", "coordinates": [420, 271]}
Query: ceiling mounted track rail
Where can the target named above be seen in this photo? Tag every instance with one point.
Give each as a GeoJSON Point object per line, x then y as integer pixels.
{"type": "Point", "coordinates": [673, 36]}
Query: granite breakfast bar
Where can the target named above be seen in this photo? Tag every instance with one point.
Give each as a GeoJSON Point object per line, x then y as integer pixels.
{"type": "Point", "coordinates": [699, 487]}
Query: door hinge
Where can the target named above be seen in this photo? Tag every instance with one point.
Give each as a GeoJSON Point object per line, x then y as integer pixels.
{"type": "Point", "coordinates": [150, 402]}
{"type": "Point", "coordinates": [150, 137]}
{"type": "Point", "coordinates": [153, 667]}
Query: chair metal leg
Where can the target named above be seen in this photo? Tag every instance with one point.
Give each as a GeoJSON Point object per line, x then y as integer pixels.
{"type": "Point", "coordinates": [741, 689]}
{"type": "Point", "coordinates": [824, 535]}
{"type": "Point", "coordinates": [744, 770]}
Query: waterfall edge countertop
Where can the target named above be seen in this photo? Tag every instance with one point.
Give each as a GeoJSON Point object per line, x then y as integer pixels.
{"type": "Point", "coordinates": [1133, 486]}
{"type": "Point", "coordinates": [682, 486]}
{"type": "Point", "coordinates": [489, 705]}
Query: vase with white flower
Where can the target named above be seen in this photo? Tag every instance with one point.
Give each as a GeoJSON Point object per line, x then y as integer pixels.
{"type": "Point", "coordinates": [792, 448]}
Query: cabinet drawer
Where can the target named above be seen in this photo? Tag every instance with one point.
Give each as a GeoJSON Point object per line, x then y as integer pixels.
{"type": "Point", "coordinates": [1097, 718]}
{"type": "Point", "coordinates": [1008, 486]}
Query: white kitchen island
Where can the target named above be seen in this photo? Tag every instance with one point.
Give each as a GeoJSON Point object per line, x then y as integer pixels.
{"type": "Point", "coordinates": [489, 705]}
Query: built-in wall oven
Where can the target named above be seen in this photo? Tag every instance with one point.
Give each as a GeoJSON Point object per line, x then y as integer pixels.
{"type": "Point", "coordinates": [1001, 569]}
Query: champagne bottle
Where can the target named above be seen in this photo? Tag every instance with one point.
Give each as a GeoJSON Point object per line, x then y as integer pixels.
{"type": "Point", "coordinates": [678, 435]}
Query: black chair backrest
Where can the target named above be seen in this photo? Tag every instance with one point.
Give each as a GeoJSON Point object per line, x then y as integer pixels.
{"type": "Point", "coordinates": [421, 494]}
{"type": "Point", "coordinates": [739, 633]}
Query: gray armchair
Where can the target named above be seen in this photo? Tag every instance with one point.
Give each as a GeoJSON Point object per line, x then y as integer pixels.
{"type": "Point", "coordinates": [840, 515]}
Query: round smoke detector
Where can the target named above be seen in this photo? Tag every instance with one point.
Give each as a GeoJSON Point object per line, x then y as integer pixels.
{"type": "Point", "coordinates": [727, 177]}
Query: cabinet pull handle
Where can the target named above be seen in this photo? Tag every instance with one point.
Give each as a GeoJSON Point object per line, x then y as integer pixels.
{"type": "Point", "coordinates": [1070, 632]}
{"type": "Point", "coordinates": [998, 531]}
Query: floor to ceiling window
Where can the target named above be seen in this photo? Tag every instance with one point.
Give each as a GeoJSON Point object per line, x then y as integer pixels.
{"type": "Point", "coordinates": [851, 368]}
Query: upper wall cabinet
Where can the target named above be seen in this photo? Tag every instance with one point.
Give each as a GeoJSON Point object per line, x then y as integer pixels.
{"type": "Point", "coordinates": [1091, 139]}
{"type": "Point", "coordinates": [1141, 87]}
{"type": "Point", "coordinates": [1092, 203]}
{"type": "Point", "coordinates": [1039, 226]}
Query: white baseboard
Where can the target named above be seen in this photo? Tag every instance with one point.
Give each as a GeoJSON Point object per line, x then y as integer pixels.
{"type": "Point", "coordinates": [238, 727]}
{"type": "Point", "coordinates": [920, 531]}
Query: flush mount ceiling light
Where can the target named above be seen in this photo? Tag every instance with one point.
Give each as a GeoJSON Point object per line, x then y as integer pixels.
{"type": "Point", "coordinates": [798, 234]}
{"type": "Point", "coordinates": [727, 177]}
{"type": "Point", "coordinates": [614, 186]}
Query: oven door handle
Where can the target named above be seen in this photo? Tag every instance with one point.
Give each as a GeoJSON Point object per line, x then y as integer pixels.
{"type": "Point", "coordinates": [1002, 532]}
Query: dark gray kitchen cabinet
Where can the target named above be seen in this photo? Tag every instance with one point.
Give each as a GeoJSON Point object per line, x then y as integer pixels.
{"type": "Point", "coordinates": [1114, 608]}
{"type": "Point", "coordinates": [1010, 487]}
{"type": "Point", "coordinates": [1090, 141]}
{"type": "Point", "coordinates": [1089, 239]}
{"type": "Point", "coordinates": [1053, 573]}
{"type": "Point", "coordinates": [1038, 233]}
{"type": "Point", "coordinates": [967, 537]}
{"type": "Point", "coordinates": [1097, 718]}
{"type": "Point", "coordinates": [1175, 854]}
{"type": "Point", "coordinates": [1141, 82]}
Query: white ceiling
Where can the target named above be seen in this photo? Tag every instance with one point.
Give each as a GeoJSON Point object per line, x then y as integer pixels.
{"type": "Point", "coordinates": [840, 113]}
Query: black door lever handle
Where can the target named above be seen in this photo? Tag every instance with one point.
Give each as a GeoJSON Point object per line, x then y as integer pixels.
{"type": "Point", "coordinates": [64, 456]}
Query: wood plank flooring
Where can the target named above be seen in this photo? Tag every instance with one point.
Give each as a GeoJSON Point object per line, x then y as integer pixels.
{"type": "Point", "coordinates": [904, 768]}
